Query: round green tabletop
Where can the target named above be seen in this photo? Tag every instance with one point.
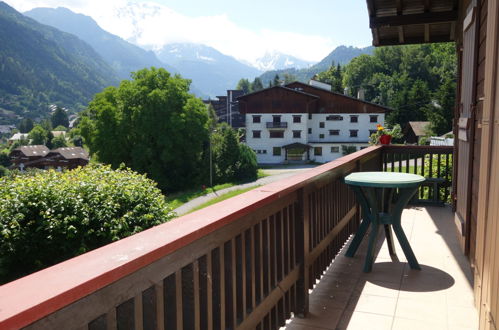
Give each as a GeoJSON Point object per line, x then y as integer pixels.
{"type": "Point", "coordinates": [384, 179]}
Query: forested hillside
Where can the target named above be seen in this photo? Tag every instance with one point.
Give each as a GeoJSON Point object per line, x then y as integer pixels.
{"type": "Point", "coordinates": [40, 65]}
{"type": "Point", "coordinates": [123, 56]}
{"type": "Point", "coordinates": [418, 82]}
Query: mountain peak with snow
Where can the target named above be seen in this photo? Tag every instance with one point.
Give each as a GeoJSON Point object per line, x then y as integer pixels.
{"type": "Point", "coordinates": [275, 60]}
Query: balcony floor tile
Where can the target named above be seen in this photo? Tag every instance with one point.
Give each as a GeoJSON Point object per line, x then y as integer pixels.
{"type": "Point", "coordinates": [393, 296]}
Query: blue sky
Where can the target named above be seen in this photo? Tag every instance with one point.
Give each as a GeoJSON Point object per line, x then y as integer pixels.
{"type": "Point", "coordinates": [244, 29]}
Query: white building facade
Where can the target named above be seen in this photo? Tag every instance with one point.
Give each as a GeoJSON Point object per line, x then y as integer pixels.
{"type": "Point", "coordinates": [282, 134]}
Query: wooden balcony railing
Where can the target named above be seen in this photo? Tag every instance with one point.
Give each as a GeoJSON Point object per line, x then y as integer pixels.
{"type": "Point", "coordinates": [245, 263]}
{"type": "Point", "coordinates": [432, 162]}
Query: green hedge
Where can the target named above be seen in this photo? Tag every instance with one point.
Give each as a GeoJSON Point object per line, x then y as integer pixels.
{"type": "Point", "coordinates": [48, 216]}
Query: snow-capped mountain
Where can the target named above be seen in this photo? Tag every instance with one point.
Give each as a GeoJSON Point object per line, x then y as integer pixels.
{"type": "Point", "coordinates": [212, 71]}
{"type": "Point", "coordinates": [274, 60]}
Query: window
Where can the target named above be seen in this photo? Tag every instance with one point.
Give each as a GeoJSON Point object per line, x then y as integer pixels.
{"type": "Point", "coordinates": [321, 124]}
{"type": "Point", "coordinates": [276, 151]}
{"type": "Point", "coordinates": [257, 134]}
{"type": "Point", "coordinates": [296, 119]}
{"type": "Point", "coordinates": [257, 119]}
{"type": "Point", "coordinates": [264, 151]}
{"type": "Point", "coordinates": [321, 136]}
{"type": "Point", "coordinates": [353, 133]}
{"type": "Point", "coordinates": [335, 150]}
{"type": "Point", "coordinates": [372, 131]}
{"type": "Point", "coordinates": [373, 119]}
{"type": "Point", "coordinates": [334, 117]}
{"type": "Point", "coordinates": [276, 134]}
{"type": "Point", "coordinates": [296, 134]}
{"type": "Point", "coordinates": [309, 116]}
{"type": "Point", "coordinates": [354, 119]}
{"type": "Point", "coordinates": [334, 132]}
{"type": "Point", "coordinates": [309, 131]}
{"type": "Point", "coordinates": [276, 119]}
{"type": "Point", "coordinates": [318, 151]}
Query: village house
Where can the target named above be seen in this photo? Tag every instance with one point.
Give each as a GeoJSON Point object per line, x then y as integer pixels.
{"type": "Point", "coordinates": [18, 137]}
{"type": "Point", "coordinates": [300, 122]}
{"type": "Point", "coordinates": [39, 156]}
{"type": "Point", "coordinates": [414, 130]}
{"type": "Point", "coordinates": [28, 156]}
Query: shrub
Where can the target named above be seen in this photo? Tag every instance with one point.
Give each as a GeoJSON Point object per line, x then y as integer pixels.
{"type": "Point", "coordinates": [48, 216]}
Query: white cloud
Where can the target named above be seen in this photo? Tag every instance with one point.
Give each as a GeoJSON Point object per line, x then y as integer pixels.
{"type": "Point", "coordinates": [152, 25]}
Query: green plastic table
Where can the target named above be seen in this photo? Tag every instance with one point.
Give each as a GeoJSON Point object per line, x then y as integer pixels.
{"type": "Point", "coordinates": [382, 197]}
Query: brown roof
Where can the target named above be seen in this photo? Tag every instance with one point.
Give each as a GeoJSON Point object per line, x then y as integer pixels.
{"type": "Point", "coordinates": [419, 127]}
{"type": "Point", "coordinates": [310, 89]}
{"type": "Point", "coordinates": [31, 151]}
{"type": "Point", "coordinates": [70, 153]}
{"type": "Point", "coordinates": [395, 22]}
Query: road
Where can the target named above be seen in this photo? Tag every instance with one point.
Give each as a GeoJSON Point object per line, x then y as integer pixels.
{"type": "Point", "coordinates": [275, 173]}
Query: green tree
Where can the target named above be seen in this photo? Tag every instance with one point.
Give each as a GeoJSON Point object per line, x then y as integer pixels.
{"type": "Point", "coordinates": [256, 85]}
{"type": "Point", "coordinates": [60, 128]}
{"type": "Point", "coordinates": [38, 135]}
{"type": "Point", "coordinates": [151, 124]}
{"type": "Point", "coordinates": [244, 85]}
{"type": "Point", "coordinates": [333, 76]}
{"type": "Point", "coordinates": [289, 78]}
{"type": "Point", "coordinates": [59, 117]}
{"type": "Point", "coordinates": [276, 81]}
{"type": "Point", "coordinates": [59, 142]}
{"type": "Point", "coordinates": [26, 125]}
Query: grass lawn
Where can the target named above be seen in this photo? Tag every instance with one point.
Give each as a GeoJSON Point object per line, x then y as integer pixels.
{"type": "Point", "coordinates": [223, 197]}
{"type": "Point", "coordinates": [178, 199]}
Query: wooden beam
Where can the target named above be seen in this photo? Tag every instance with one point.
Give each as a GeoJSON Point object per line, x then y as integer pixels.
{"type": "Point", "coordinates": [426, 6]}
{"type": "Point", "coordinates": [423, 18]}
{"type": "Point", "coordinates": [370, 8]}
{"type": "Point", "coordinates": [401, 34]}
{"type": "Point", "coordinates": [412, 40]}
{"type": "Point", "coordinates": [399, 7]}
{"type": "Point", "coordinates": [427, 33]}
{"type": "Point", "coordinates": [375, 37]}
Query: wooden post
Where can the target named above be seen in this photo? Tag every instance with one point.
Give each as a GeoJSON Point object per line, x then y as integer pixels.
{"type": "Point", "coordinates": [303, 248]}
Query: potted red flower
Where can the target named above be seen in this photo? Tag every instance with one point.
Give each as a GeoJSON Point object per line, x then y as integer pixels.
{"type": "Point", "coordinates": [384, 135]}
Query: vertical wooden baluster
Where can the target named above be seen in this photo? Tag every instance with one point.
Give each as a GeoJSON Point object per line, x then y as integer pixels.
{"type": "Point", "coordinates": [407, 160]}
{"type": "Point", "coordinates": [197, 313]}
{"type": "Point", "coordinates": [111, 319]}
{"type": "Point", "coordinates": [209, 291]}
{"type": "Point", "coordinates": [178, 298]}
{"type": "Point", "coordinates": [243, 276]}
{"type": "Point", "coordinates": [160, 306]}
{"type": "Point", "coordinates": [138, 312]}
{"type": "Point", "coordinates": [253, 269]}
{"type": "Point", "coordinates": [262, 261]}
{"type": "Point", "coordinates": [223, 306]}
{"type": "Point", "coordinates": [282, 271]}
{"type": "Point", "coordinates": [393, 161]}
{"type": "Point", "coordinates": [233, 271]}
{"type": "Point", "coordinates": [400, 162]}
{"type": "Point", "coordinates": [273, 252]}
{"type": "Point", "coordinates": [302, 231]}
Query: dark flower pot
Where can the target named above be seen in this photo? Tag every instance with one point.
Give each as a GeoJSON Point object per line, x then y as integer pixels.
{"type": "Point", "coordinates": [385, 139]}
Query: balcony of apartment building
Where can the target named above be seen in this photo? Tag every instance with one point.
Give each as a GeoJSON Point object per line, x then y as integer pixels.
{"type": "Point", "coordinates": [277, 123]}
{"type": "Point", "coordinates": [272, 257]}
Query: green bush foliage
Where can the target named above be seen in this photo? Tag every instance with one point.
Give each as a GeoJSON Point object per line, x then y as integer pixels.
{"type": "Point", "coordinates": [48, 216]}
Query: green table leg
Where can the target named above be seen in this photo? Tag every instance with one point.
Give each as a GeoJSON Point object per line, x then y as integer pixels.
{"type": "Point", "coordinates": [361, 232]}
{"type": "Point", "coordinates": [389, 240]}
{"type": "Point", "coordinates": [405, 194]}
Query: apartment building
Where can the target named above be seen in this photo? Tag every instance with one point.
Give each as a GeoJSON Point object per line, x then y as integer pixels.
{"type": "Point", "coordinates": [300, 122]}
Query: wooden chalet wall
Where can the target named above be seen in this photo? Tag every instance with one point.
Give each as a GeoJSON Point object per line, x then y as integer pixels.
{"type": "Point", "coordinates": [487, 246]}
{"type": "Point", "coordinates": [479, 98]}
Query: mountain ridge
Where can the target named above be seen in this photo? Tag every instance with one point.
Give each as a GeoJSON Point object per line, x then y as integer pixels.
{"type": "Point", "coordinates": [41, 65]}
